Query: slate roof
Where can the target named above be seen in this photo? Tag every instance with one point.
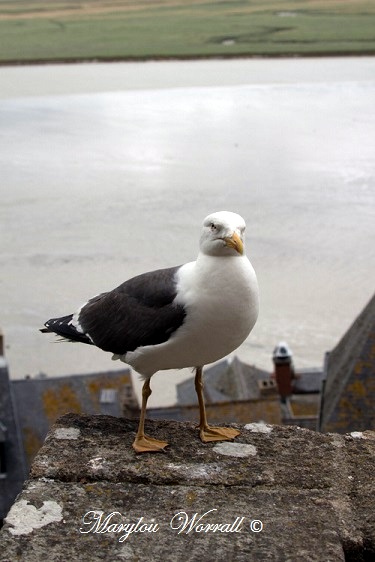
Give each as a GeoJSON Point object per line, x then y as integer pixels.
{"type": "Point", "coordinates": [228, 380]}
{"type": "Point", "coordinates": [307, 381]}
{"type": "Point", "coordinates": [231, 379]}
{"type": "Point", "coordinates": [348, 401]}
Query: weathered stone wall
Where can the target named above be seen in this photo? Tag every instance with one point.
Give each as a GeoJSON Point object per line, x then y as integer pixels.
{"type": "Point", "coordinates": [314, 494]}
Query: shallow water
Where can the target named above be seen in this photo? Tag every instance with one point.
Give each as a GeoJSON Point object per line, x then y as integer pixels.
{"type": "Point", "coordinates": [97, 186]}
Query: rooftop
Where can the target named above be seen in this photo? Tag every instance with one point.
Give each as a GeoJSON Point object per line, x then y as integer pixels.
{"type": "Point", "coordinates": [348, 400]}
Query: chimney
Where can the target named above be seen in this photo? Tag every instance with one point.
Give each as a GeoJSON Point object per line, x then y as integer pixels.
{"type": "Point", "coordinates": [284, 370]}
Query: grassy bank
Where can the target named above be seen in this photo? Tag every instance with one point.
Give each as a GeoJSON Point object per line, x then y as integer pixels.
{"type": "Point", "coordinates": [112, 29]}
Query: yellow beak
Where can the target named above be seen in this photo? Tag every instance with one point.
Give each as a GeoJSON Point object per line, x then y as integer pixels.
{"type": "Point", "coordinates": [234, 242]}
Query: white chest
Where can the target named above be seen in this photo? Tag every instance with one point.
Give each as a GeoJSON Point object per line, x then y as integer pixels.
{"type": "Point", "coordinates": [221, 298]}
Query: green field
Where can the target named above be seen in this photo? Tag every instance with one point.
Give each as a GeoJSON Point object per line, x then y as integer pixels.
{"type": "Point", "coordinates": [113, 29]}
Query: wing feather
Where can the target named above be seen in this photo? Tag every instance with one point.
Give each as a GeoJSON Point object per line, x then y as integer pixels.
{"type": "Point", "coordinates": [139, 312]}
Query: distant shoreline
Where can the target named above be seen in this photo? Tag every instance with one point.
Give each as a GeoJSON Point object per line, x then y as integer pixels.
{"type": "Point", "coordinates": [102, 60]}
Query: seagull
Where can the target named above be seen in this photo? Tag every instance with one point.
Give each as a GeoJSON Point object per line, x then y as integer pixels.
{"type": "Point", "coordinates": [184, 316]}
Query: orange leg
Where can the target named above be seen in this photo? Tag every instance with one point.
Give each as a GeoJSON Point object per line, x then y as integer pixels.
{"type": "Point", "coordinates": [206, 432]}
{"type": "Point", "coordinates": [143, 443]}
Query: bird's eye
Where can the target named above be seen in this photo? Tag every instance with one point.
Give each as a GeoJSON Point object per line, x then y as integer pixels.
{"type": "Point", "coordinates": [213, 227]}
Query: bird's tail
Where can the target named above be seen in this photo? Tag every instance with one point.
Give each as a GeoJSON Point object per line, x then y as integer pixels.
{"type": "Point", "coordinates": [65, 328]}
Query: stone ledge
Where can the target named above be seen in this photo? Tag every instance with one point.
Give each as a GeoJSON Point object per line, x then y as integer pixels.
{"type": "Point", "coordinates": [314, 494]}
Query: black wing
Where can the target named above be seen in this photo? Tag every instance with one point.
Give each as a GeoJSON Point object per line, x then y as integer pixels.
{"type": "Point", "coordinates": [139, 312]}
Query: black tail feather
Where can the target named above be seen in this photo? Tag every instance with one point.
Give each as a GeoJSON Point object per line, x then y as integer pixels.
{"type": "Point", "coordinates": [63, 327]}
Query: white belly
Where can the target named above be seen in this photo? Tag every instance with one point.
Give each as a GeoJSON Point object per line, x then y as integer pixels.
{"type": "Point", "coordinates": [221, 300]}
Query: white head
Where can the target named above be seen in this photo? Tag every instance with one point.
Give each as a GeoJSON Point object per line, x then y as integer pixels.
{"type": "Point", "coordinates": [223, 234]}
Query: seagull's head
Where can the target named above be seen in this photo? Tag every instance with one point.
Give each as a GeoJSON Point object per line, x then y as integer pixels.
{"type": "Point", "coordinates": [223, 234]}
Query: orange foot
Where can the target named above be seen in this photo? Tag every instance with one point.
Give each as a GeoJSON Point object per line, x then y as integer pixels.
{"type": "Point", "coordinates": [146, 444]}
{"type": "Point", "coordinates": [208, 434]}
